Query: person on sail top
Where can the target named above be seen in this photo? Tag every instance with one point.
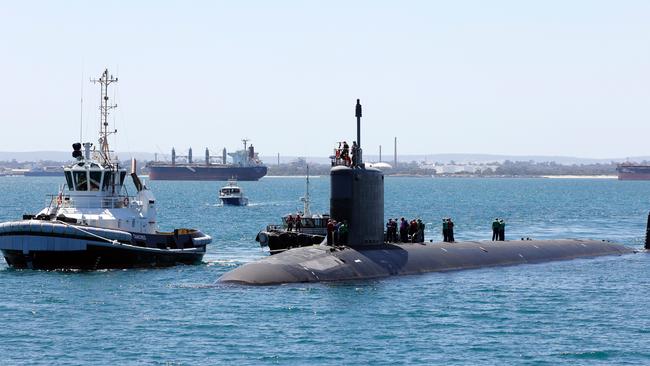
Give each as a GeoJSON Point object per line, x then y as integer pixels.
{"type": "Point", "coordinates": [346, 153]}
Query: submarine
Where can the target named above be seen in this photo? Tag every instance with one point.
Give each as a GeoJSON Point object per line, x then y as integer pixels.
{"type": "Point", "coordinates": [357, 197]}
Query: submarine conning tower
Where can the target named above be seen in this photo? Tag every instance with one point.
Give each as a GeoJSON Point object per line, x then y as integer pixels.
{"type": "Point", "coordinates": [357, 196]}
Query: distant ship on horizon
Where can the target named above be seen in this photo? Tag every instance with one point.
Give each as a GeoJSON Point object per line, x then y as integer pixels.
{"type": "Point", "coordinates": [245, 166]}
{"type": "Point", "coordinates": [46, 171]}
{"type": "Point", "coordinates": [633, 171]}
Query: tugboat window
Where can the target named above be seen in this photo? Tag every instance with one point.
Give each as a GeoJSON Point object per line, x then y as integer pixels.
{"type": "Point", "coordinates": [68, 178]}
{"type": "Point", "coordinates": [95, 180]}
{"type": "Point", "coordinates": [81, 181]}
{"type": "Point", "coordinates": [108, 177]}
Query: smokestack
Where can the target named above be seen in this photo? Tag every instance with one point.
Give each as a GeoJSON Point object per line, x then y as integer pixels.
{"type": "Point", "coordinates": [380, 153]}
{"type": "Point", "coordinates": [189, 156]}
{"type": "Point", "coordinates": [134, 175]}
{"type": "Point", "coordinates": [207, 156]}
{"type": "Point", "coordinates": [173, 156]}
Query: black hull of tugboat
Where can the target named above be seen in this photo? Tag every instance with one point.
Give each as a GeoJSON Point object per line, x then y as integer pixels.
{"type": "Point", "coordinates": [98, 257]}
{"type": "Point", "coordinates": [48, 245]}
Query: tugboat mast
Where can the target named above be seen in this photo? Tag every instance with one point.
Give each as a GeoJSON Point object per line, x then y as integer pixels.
{"type": "Point", "coordinates": [105, 80]}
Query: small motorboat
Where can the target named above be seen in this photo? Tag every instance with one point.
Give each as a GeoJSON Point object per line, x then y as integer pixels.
{"type": "Point", "coordinates": [232, 194]}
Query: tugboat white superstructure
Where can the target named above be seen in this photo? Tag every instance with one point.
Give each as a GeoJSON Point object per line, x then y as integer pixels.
{"type": "Point", "coordinates": [94, 223]}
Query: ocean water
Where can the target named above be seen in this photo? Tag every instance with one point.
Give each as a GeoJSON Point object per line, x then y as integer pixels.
{"type": "Point", "coordinates": [580, 312]}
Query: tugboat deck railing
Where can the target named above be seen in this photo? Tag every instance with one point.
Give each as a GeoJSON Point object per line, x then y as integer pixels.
{"type": "Point", "coordinates": [64, 201]}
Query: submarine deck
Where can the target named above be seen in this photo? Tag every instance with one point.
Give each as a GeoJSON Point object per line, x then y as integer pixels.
{"type": "Point", "coordinates": [326, 263]}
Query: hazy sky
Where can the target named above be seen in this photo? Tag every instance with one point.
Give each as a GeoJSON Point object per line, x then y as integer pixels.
{"type": "Point", "coordinates": [512, 77]}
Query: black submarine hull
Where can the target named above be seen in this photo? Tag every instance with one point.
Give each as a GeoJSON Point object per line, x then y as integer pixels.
{"type": "Point", "coordinates": [322, 263]}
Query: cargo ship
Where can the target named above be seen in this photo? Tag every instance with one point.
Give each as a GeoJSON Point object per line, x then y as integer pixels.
{"type": "Point", "coordinates": [633, 171]}
{"type": "Point", "coordinates": [245, 165]}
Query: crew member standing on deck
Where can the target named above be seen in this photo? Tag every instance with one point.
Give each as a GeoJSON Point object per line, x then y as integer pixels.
{"type": "Point", "coordinates": [445, 230]}
{"type": "Point", "coordinates": [337, 232]}
{"type": "Point", "coordinates": [298, 223]}
{"type": "Point", "coordinates": [343, 233]}
{"type": "Point", "coordinates": [450, 229]}
{"type": "Point", "coordinates": [495, 229]}
{"type": "Point", "coordinates": [403, 231]}
{"type": "Point", "coordinates": [413, 230]}
{"type": "Point", "coordinates": [502, 230]}
{"type": "Point", "coordinates": [330, 231]}
{"type": "Point", "coordinates": [389, 231]}
{"type": "Point", "coordinates": [395, 238]}
{"type": "Point", "coordinates": [355, 153]}
{"type": "Point", "coordinates": [290, 223]}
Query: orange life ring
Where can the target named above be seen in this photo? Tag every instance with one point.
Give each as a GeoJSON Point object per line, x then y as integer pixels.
{"type": "Point", "coordinates": [126, 201]}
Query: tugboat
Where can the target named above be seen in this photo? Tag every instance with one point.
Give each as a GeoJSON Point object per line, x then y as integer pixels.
{"type": "Point", "coordinates": [94, 223]}
{"type": "Point", "coordinates": [232, 194]}
{"type": "Point", "coordinates": [312, 229]}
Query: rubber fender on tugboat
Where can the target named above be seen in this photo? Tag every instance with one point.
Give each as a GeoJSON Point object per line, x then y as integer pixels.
{"type": "Point", "coordinates": [262, 238]}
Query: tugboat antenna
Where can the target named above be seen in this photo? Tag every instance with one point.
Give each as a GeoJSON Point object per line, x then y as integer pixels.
{"type": "Point", "coordinates": [81, 109]}
{"type": "Point", "coordinates": [105, 80]}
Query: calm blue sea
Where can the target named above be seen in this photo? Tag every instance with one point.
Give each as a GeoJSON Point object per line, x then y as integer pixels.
{"type": "Point", "coordinates": [581, 312]}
